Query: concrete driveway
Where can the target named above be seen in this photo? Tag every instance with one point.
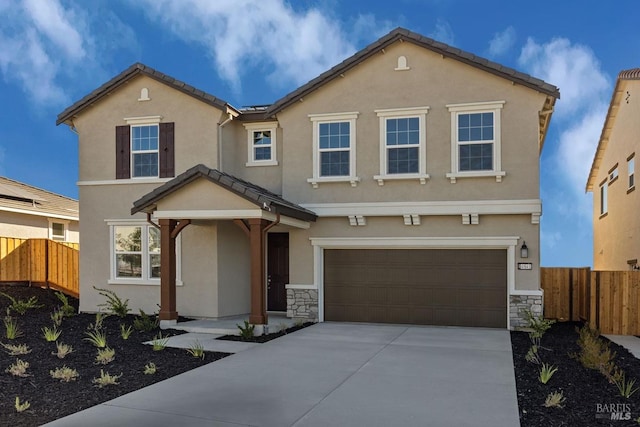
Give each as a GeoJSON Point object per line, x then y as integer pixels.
{"type": "Point", "coordinates": [336, 374]}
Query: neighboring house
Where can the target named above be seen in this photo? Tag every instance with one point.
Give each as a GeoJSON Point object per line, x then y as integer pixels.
{"type": "Point", "coordinates": [399, 186]}
{"type": "Point", "coordinates": [616, 225]}
{"type": "Point", "coordinates": [28, 212]}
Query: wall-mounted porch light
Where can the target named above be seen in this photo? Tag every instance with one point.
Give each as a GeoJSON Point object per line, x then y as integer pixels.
{"type": "Point", "coordinates": [524, 250]}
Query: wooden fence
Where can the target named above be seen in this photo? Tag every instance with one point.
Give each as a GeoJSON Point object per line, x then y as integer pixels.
{"type": "Point", "coordinates": [40, 261]}
{"type": "Point", "coordinates": [607, 300]}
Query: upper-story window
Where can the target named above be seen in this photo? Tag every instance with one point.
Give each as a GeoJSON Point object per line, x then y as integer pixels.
{"type": "Point", "coordinates": [144, 151]}
{"type": "Point", "coordinates": [603, 197]}
{"type": "Point", "coordinates": [403, 144]}
{"type": "Point", "coordinates": [613, 174]}
{"type": "Point", "coordinates": [261, 144]}
{"type": "Point", "coordinates": [475, 140]}
{"type": "Point", "coordinates": [631, 171]}
{"type": "Point", "coordinates": [334, 148]}
{"type": "Point", "coordinates": [145, 148]}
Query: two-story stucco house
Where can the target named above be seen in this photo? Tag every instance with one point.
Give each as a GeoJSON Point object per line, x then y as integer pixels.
{"type": "Point", "coordinates": [399, 186]}
{"type": "Point", "coordinates": [616, 226]}
{"type": "Point", "coordinates": [29, 212]}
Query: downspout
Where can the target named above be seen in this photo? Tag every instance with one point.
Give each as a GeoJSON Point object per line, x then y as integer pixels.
{"type": "Point", "coordinates": [220, 125]}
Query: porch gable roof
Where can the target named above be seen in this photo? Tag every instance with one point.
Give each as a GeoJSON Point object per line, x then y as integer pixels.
{"type": "Point", "coordinates": [261, 197]}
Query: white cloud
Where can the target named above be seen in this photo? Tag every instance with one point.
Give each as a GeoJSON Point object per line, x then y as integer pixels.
{"type": "Point", "coordinates": [442, 32]}
{"type": "Point", "coordinates": [550, 239]}
{"type": "Point", "coordinates": [578, 117]}
{"type": "Point", "coordinates": [293, 46]}
{"type": "Point", "coordinates": [502, 42]}
{"type": "Point", "coordinates": [36, 38]}
{"type": "Point", "coordinates": [572, 67]}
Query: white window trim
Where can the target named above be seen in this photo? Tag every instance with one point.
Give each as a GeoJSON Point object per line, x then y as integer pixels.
{"type": "Point", "coordinates": [396, 113]}
{"type": "Point", "coordinates": [114, 280]}
{"type": "Point", "coordinates": [631, 173]}
{"type": "Point", "coordinates": [477, 107]}
{"type": "Point", "coordinates": [604, 197]}
{"type": "Point", "coordinates": [131, 152]}
{"type": "Point", "coordinates": [66, 229]}
{"type": "Point", "coordinates": [264, 126]}
{"type": "Point", "coordinates": [316, 119]}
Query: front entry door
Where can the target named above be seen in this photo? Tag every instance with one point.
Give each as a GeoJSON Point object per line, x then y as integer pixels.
{"type": "Point", "coordinates": [277, 271]}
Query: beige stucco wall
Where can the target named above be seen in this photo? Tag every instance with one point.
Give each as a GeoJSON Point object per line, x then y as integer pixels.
{"type": "Point", "coordinates": [616, 235]}
{"type": "Point", "coordinates": [433, 82]}
{"type": "Point", "coordinates": [195, 127]}
{"type": "Point", "coordinates": [13, 224]}
{"type": "Point", "coordinates": [301, 250]}
{"type": "Point", "coordinates": [234, 270]}
{"type": "Point", "coordinates": [204, 195]}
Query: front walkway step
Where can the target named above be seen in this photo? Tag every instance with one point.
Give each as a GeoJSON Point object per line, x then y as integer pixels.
{"type": "Point", "coordinates": [208, 341]}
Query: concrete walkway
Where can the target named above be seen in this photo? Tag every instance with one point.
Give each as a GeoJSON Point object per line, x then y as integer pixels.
{"type": "Point", "coordinates": [629, 342]}
{"type": "Point", "coordinates": [335, 374]}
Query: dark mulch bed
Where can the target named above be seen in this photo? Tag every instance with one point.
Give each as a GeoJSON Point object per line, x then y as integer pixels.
{"type": "Point", "coordinates": [584, 389]}
{"type": "Point", "coordinates": [51, 399]}
{"type": "Point", "coordinates": [266, 337]}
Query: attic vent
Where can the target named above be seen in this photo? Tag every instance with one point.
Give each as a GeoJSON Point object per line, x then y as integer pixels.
{"type": "Point", "coordinates": [402, 64]}
{"type": "Point", "coordinates": [144, 95]}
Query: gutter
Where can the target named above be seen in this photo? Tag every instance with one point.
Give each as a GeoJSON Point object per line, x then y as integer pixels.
{"type": "Point", "coordinates": [220, 126]}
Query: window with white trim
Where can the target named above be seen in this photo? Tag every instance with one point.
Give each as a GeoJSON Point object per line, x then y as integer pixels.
{"type": "Point", "coordinates": [58, 230]}
{"type": "Point", "coordinates": [603, 197]}
{"type": "Point", "coordinates": [631, 171]}
{"type": "Point", "coordinates": [135, 253]}
{"type": "Point", "coordinates": [261, 144]}
{"type": "Point", "coordinates": [403, 140]}
{"type": "Point", "coordinates": [144, 151]}
{"type": "Point", "coordinates": [334, 148]}
{"type": "Point", "coordinates": [475, 140]}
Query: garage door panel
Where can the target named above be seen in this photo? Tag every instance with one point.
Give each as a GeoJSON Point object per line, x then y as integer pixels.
{"type": "Point", "coordinates": [439, 287]}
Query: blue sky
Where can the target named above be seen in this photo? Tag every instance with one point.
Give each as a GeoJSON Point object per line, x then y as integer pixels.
{"type": "Point", "coordinates": [53, 52]}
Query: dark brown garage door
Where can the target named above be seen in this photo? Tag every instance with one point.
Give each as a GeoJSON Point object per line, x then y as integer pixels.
{"type": "Point", "coordinates": [453, 287]}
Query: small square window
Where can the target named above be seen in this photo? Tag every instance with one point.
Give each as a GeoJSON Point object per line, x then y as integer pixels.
{"type": "Point", "coordinates": [261, 147]}
{"type": "Point", "coordinates": [58, 231]}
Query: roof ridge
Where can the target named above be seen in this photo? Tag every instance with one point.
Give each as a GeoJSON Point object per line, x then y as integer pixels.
{"type": "Point", "coordinates": [630, 74]}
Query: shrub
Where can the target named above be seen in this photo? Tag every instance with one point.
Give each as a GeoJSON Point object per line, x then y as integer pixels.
{"type": "Point", "coordinates": [106, 379]}
{"type": "Point", "coordinates": [125, 331]}
{"type": "Point", "coordinates": [97, 326]}
{"type": "Point", "coordinates": [21, 306]}
{"type": "Point", "coordinates": [554, 400]}
{"type": "Point", "coordinates": [625, 387]}
{"type": "Point", "coordinates": [16, 349]}
{"type": "Point", "coordinates": [97, 337]}
{"type": "Point", "coordinates": [67, 309]}
{"type": "Point", "coordinates": [196, 350]}
{"type": "Point", "coordinates": [64, 374]}
{"type": "Point", "coordinates": [51, 334]}
{"type": "Point", "coordinates": [105, 356]}
{"type": "Point", "coordinates": [159, 342]}
{"type": "Point", "coordinates": [246, 332]}
{"type": "Point", "coordinates": [18, 369]}
{"type": "Point", "coordinates": [546, 372]}
{"type": "Point", "coordinates": [538, 326]}
{"type": "Point", "coordinates": [57, 316]}
{"type": "Point", "coordinates": [63, 350]}
{"type": "Point", "coordinates": [12, 330]}
{"type": "Point", "coordinates": [21, 406]}
{"type": "Point", "coordinates": [145, 323]}
{"type": "Point", "coordinates": [594, 353]}
{"type": "Point", "coordinates": [114, 304]}
{"type": "Point", "coordinates": [150, 368]}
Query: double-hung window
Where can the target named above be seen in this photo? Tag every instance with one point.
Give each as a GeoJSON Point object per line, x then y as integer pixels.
{"type": "Point", "coordinates": [631, 172]}
{"type": "Point", "coordinates": [334, 148]}
{"type": "Point", "coordinates": [144, 151]}
{"type": "Point", "coordinates": [475, 140]}
{"type": "Point", "coordinates": [603, 197]}
{"type": "Point", "coordinates": [135, 253]}
{"type": "Point", "coordinates": [261, 148]}
{"type": "Point", "coordinates": [58, 229]}
{"type": "Point", "coordinates": [402, 144]}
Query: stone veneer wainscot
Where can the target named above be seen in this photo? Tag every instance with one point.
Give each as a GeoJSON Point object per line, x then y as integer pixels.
{"type": "Point", "coordinates": [518, 306]}
{"type": "Point", "coordinates": [302, 304]}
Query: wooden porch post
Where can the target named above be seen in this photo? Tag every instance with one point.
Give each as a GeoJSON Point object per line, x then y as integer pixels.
{"type": "Point", "coordinates": [168, 270]}
{"type": "Point", "coordinates": [258, 314]}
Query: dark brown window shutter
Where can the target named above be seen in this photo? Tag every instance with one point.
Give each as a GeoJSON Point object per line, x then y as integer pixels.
{"type": "Point", "coordinates": [123, 155]}
{"type": "Point", "coordinates": [167, 152]}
